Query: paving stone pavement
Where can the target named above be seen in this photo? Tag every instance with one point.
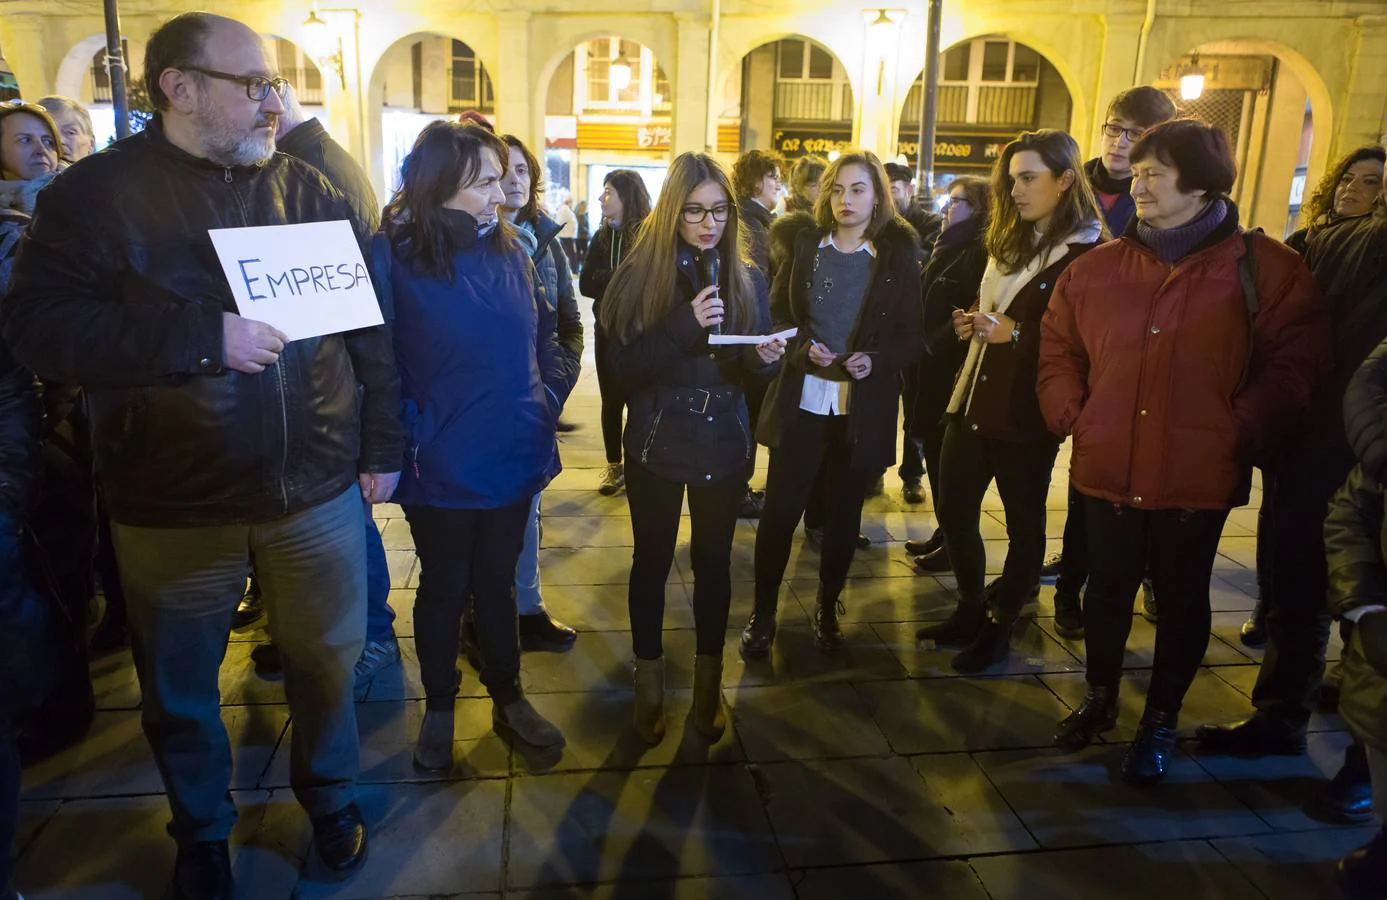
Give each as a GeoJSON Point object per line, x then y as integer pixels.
{"type": "Point", "coordinates": [878, 773]}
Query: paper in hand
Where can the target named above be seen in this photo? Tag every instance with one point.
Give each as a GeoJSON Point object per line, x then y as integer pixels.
{"type": "Point", "coordinates": [716, 339]}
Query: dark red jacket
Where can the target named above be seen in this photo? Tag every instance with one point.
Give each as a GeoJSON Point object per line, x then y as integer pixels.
{"type": "Point", "coordinates": [1143, 363]}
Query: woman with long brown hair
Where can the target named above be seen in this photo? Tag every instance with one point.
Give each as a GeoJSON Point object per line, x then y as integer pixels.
{"type": "Point", "coordinates": [1044, 216]}
{"type": "Point", "coordinates": [853, 291]}
{"type": "Point", "coordinates": [687, 429]}
{"type": "Point", "coordinates": [1350, 190]}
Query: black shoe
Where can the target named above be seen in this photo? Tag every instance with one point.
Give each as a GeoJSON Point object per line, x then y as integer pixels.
{"type": "Point", "coordinates": [925, 548]}
{"type": "Point", "coordinates": [1254, 630]}
{"type": "Point", "coordinates": [468, 645]}
{"type": "Point", "coordinates": [913, 492]}
{"type": "Point", "coordinates": [1069, 617]}
{"type": "Point", "coordinates": [814, 537]}
{"type": "Point", "coordinates": [250, 610]}
{"type": "Point", "coordinates": [828, 635]}
{"type": "Point", "coordinates": [938, 561]}
{"type": "Point", "coordinates": [960, 629]}
{"type": "Point", "coordinates": [1051, 570]}
{"type": "Point", "coordinates": [991, 647]}
{"type": "Point", "coordinates": [1149, 756]}
{"type": "Point", "coordinates": [563, 427]}
{"type": "Point", "coordinates": [541, 632]}
{"type": "Point", "coordinates": [1149, 611]}
{"type": "Point", "coordinates": [268, 662]}
{"type": "Point", "coordinates": [1260, 735]}
{"type": "Point", "coordinates": [1094, 716]}
{"type": "Point", "coordinates": [1348, 798]}
{"type": "Point", "coordinates": [1362, 874]}
{"type": "Point", "coordinates": [759, 634]}
{"type": "Point", "coordinates": [863, 542]}
{"type": "Point", "coordinates": [752, 504]}
{"type": "Point", "coordinates": [202, 871]}
{"type": "Point", "coordinates": [340, 839]}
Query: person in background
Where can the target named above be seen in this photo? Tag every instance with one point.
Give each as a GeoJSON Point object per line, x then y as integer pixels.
{"type": "Point", "coordinates": [483, 379]}
{"type": "Point", "coordinates": [758, 177]}
{"type": "Point", "coordinates": [1044, 218]}
{"type": "Point", "coordinates": [854, 294]}
{"type": "Point", "coordinates": [688, 430]}
{"type": "Point", "coordinates": [1172, 388]}
{"type": "Point", "coordinates": [74, 126]}
{"type": "Point", "coordinates": [927, 225]}
{"type": "Point", "coordinates": [568, 231]}
{"type": "Point", "coordinates": [113, 294]}
{"type": "Point", "coordinates": [1129, 115]}
{"type": "Point", "coordinates": [1351, 189]}
{"type": "Point", "coordinates": [1355, 533]}
{"type": "Point", "coordinates": [584, 233]}
{"type": "Point", "coordinates": [951, 281]}
{"type": "Point", "coordinates": [625, 205]}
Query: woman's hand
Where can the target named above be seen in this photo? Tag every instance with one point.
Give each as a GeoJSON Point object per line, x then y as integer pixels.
{"type": "Point", "coordinates": [771, 351]}
{"type": "Point", "coordinates": [859, 365]}
{"type": "Point", "coordinates": [707, 307]}
{"type": "Point", "coordinates": [820, 355]}
{"type": "Point", "coordinates": [993, 329]}
{"type": "Point", "coordinates": [963, 325]}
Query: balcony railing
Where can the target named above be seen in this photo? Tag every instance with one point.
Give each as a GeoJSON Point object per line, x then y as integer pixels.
{"type": "Point", "coordinates": [812, 101]}
{"type": "Point", "coordinates": [998, 104]}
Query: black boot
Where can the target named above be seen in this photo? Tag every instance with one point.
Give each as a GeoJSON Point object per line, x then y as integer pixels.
{"type": "Point", "coordinates": [202, 871]}
{"type": "Point", "coordinates": [1362, 875]}
{"type": "Point", "coordinates": [960, 629]}
{"type": "Point", "coordinates": [1254, 630]}
{"type": "Point", "coordinates": [828, 636]}
{"type": "Point", "coordinates": [340, 839]}
{"type": "Point", "coordinates": [759, 634]}
{"type": "Point", "coordinates": [1147, 759]}
{"type": "Point", "coordinates": [925, 548]}
{"type": "Point", "coordinates": [1349, 797]}
{"type": "Point", "coordinates": [1261, 735]}
{"type": "Point", "coordinates": [1069, 616]}
{"type": "Point", "coordinates": [991, 647]}
{"type": "Point", "coordinates": [1095, 715]}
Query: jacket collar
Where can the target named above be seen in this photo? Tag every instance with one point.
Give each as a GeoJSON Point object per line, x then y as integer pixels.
{"type": "Point", "coordinates": [544, 229]}
{"type": "Point", "coordinates": [154, 133]}
{"type": "Point", "coordinates": [867, 246]}
{"type": "Point", "coordinates": [1226, 229]}
{"type": "Point", "coordinates": [753, 210]}
{"type": "Point", "coordinates": [302, 138]}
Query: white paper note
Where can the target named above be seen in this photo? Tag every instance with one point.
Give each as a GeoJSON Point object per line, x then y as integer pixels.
{"type": "Point", "coordinates": [785, 335]}
{"type": "Point", "coordinates": [306, 280]}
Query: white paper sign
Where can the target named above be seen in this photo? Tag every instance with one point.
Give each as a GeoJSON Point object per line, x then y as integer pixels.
{"type": "Point", "coordinates": [785, 335]}
{"type": "Point", "coordinates": [306, 280]}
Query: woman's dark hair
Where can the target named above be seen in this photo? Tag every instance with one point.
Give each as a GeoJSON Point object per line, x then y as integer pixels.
{"type": "Point", "coordinates": [751, 167]}
{"type": "Point", "coordinates": [527, 212]}
{"type": "Point", "coordinates": [1144, 105]}
{"type": "Point", "coordinates": [1320, 206]}
{"type": "Point", "coordinates": [884, 208]}
{"type": "Point", "coordinates": [805, 171]}
{"type": "Point", "coordinates": [177, 43]}
{"type": "Point", "coordinates": [1009, 238]}
{"type": "Point", "coordinates": [1198, 152]}
{"type": "Point", "coordinates": [977, 192]}
{"type": "Point", "coordinates": [447, 156]}
{"type": "Point", "coordinates": [635, 199]}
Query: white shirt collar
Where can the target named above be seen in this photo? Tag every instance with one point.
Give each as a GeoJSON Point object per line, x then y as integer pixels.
{"type": "Point", "coordinates": [867, 245]}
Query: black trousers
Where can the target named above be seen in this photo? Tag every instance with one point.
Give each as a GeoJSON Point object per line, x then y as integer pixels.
{"type": "Point", "coordinates": [912, 467]}
{"type": "Point", "coordinates": [613, 400]}
{"type": "Point", "coordinates": [1073, 573]}
{"type": "Point", "coordinates": [656, 504]}
{"type": "Point", "coordinates": [931, 441]}
{"type": "Point", "coordinates": [1022, 472]}
{"type": "Point", "coordinates": [755, 395]}
{"type": "Point", "coordinates": [466, 552]}
{"type": "Point", "coordinates": [1294, 578]}
{"type": "Point", "coordinates": [808, 443]}
{"type": "Point", "coordinates": [1177, 547]}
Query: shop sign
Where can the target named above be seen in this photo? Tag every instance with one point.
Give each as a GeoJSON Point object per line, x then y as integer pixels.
{"type": "Point", "coordinates": [803, 142]}
{"type": "Point", "coordinates": [959, 150]}
{"type": "Point", "coordinates": [621, 136]}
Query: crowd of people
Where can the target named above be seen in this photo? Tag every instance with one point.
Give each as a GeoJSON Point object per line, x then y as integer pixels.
{"type": "Point", "coordinates": [158, 444]}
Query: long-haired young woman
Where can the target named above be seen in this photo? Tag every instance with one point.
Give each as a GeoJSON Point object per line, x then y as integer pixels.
{"type": "Point", "coordinates": [687, 427]}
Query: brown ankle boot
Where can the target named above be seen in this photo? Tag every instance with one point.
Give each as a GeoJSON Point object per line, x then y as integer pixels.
{"type": "Point", "coordinates": [648, 718]}
{"type": "Point", "coordinates": [708, 716]}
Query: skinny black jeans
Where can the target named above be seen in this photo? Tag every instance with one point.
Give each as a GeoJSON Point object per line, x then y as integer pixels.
{"type": "Point", "coordinates": [613, 400]}
{"type": "Point", "coordinates": [912, 467]}
{"type": "Point", "coordinates": [656, 504]}
{"type": "Point", "coordinates": [466, 552]}
{"type": "Point", "coordinates": [808, 443]}
{"type": "Point", "coordinates": [1073, 570]}
{"type": "Point", "coordinates": [1177, 547]}
{"type": "Point", "coordinates": [1022, 472]}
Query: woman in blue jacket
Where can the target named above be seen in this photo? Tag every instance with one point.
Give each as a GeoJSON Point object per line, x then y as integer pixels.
{"type": "Point", "coordinates": [482, 381]}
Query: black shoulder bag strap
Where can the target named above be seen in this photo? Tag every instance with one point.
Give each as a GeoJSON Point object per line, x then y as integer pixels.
{"type": "Point", "coordinates": [1247, 275]}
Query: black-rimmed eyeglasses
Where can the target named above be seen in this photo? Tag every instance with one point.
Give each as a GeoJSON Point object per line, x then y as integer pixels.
{"type": "Point", "coordinates": [1112, 130]}
{"type": "Point", "coordinates": [695, 215]}
{"type": "Point", "coordinates": [257, 87]}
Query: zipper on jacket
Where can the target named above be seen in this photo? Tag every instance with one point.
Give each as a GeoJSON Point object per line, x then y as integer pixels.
{"type": "Point", "coordinates": [284, 420]}
{"type": "Point", "coordinates": [414, 462]}
{"type": "Point", "coordinates": [650, 438]}
{"type": "Point", "coordinates": [226, 174]}
{"type": "Point", "coordinates": [746, 438]}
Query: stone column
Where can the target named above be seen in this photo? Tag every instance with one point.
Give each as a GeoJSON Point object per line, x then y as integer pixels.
{"type": "Point", "coordinates": [25, 46]}
{"type": "Point", "coordinates": [692, 93]}
{"type": "Point", "coordinates": [517, 94]}
{"type": "Point", "coordinates": [1116, 73]}
{"type": "Point", "coordinates": [1362, 115]}
{"type": "Point", "coordinates": [878, 128]}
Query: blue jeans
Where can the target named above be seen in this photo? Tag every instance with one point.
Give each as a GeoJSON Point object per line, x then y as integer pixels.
{"type": "Point", "coordinates": [380, 618]}
{"type": "Point", "coordinates": [182, 586]}
{"type": "Point", "coordinates": [528, 601]}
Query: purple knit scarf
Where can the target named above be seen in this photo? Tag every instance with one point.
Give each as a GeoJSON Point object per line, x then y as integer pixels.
{"type": "Point", "coordinates": [1173, 244]}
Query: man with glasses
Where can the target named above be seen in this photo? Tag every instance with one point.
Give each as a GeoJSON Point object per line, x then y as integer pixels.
{"type": "Point", "coordinates": [214, 436]}
{"type": "Point", "coordinates": [1130, 114]}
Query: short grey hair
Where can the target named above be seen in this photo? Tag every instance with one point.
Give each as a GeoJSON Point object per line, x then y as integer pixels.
{"type": "Point", "coordinates": [57, 105]}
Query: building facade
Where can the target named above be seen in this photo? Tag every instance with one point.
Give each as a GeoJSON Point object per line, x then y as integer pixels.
{"type": "Point", "coordinates": [600, 85]}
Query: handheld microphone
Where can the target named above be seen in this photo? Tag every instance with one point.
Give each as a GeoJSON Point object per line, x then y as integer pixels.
{"type": "Point", "coordinates": [711, 265]}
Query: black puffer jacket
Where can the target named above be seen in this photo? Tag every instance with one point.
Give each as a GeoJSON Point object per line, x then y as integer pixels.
{"type": "Point", "coordinates": [1355, 535]}
{"type": "Point", "coordinates": [686, 416]}
{"type": "Point", "coordinates": [310, 142]}
{"type": "Point", "coordinates": [888, 326]}
{"type": "Point", "coordinates": [605, 253]}
{"type": "Point", "coordinates": [117, 289]}
{"type": "Point", "coordinates": [756, 224]}
{"type": "Point", "coordinates": [551, 265]}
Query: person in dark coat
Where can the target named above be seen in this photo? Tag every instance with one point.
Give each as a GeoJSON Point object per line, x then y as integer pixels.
{"type": "Point", "coordinates": [951, 281]}
{"type": "Point", "coordinates": [853, 291]}
{"type": "Point", "coordinates": [1355, 536]}
{"type": "Point", "coordinates": [802, 194]}
{"type": "Point", "coordinates": [625, 205]}
{"type": "Point", "coordinates": [1352, 188]}
{"type": "Point", "coordinates": [688, 430]}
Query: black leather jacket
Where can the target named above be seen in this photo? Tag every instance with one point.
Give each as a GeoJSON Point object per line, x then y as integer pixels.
{"type": "Point", "coordinates": [117, 290]}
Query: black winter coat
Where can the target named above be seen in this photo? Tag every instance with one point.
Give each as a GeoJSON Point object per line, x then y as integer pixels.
{"type": "Point", "coordinates": [686, 413]}
{"type": "Point", "coordinates": [608, 248]}
{"type": "Point", "coordinates": [117, 290]}
{"type": "Point", "coordinates": [951, 282]}
{"type": "Point", "coordinates": [18, 436]}
{"type": "Point", "coordinates": [756, 223]}
{"type": "Point", "coordinates": [784, 230]}
{"type": "Point", "coordinates": [551, 265]}
{"type": "Point", "coordinates": [310, 142]}
{"type": "Point", "coordinates": [889, 327]}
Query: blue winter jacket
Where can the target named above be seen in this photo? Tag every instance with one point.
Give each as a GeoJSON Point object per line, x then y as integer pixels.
{"type": "Point", "coordinates": [482, 377]}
